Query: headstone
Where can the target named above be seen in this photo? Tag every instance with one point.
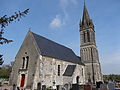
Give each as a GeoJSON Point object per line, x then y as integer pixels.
{"type": "Point", "coordinates": [66, 86]}
{"type": "Point", "coordinates": [75, 87]}
{"type": "Point", "coordinates": [14, 86]}
{"type": "Point", "coordinates": [87, 87]}
{"type": "Point", "coordinates": [94, 89]}
{"type": "Point", "coordinates": [103, 87]}
{"type": "Point", "coordinates": [18, 88]}
{"type": "Point", "coordinates": [98, 84]}
{"type": "Point", "coordinates": [43, 87]}
{"type": "Point", "coordinates": [111, 86]}
{"type": "Point", "coordinates": [59, 87]}
{"type": "Point", "coordinates": [81, 87]}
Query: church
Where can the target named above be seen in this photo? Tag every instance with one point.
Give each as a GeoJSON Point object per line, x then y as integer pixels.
{"type": "Point", "coordinates": [43, 63]}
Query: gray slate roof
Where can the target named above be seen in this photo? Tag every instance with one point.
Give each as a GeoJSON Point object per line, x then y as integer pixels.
{"type": "Point", "coordinates": [52, 49]}
{"type": "Point", "coordinates": [69, 70]}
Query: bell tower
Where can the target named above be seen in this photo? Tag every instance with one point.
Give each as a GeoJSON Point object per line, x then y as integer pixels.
{"type": "Point", "coordinates": [88, 49]}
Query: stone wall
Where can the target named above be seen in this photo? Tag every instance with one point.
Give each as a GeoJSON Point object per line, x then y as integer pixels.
{"type": "Point", "coordinates": [27, 49]}
{"type": "Point", "coordinates": [47, 72]}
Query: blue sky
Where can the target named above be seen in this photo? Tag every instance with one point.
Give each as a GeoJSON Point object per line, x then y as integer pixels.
{"type": "Point", "coordinates": [58, 20]}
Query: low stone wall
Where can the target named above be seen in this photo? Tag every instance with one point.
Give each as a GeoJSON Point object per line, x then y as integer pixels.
{"type": "Point", "coordinates": [6, 87]}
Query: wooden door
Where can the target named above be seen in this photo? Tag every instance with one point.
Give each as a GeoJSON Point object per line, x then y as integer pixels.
{"type": "Point", "coordinates": [22, 80]}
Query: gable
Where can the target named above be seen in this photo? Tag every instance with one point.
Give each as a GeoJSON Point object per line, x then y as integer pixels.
{"type": "Point", "coordinates": [28, 45]}
{"type": "Point", "coordinates": [27, 49]}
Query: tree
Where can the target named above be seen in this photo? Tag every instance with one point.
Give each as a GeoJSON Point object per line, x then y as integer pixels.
{"type": "Point", "coordinates": [4, 21]}
{"type": "Point", "coordinates": [5, 71]}
{"type": "Point", "coordinates": [112, 77]}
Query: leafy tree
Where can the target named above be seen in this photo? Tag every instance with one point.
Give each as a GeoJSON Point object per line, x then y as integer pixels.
{"type": "Point", "coordinates": [5, 71]}
{"type": "Point", "coordinates": [112, 77]}
{"type": "Point", "coordinates": [4, 21]}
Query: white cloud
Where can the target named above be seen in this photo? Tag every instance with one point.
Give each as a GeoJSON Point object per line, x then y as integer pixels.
{"type": "Point", "coordinates": [59, 20]}
{"type": "Point", "coordinates": [56, 22]}
{"type": "Point", "coordinates": [64, 3]}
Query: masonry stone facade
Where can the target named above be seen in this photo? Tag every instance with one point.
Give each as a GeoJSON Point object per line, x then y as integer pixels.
{"type": "Point", "coordinates": [42, 63]}
{"type": "Point", "coordinates": [88, 49]}
{"type": "Point", "coordinates": [43, 69]}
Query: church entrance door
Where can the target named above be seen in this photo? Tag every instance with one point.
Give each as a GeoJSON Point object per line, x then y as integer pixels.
{"type": "Point", "coordinates": [22, 80]}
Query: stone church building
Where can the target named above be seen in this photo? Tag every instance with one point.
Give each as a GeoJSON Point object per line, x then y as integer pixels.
{"type": "Point", "coordinates": [41, 62]}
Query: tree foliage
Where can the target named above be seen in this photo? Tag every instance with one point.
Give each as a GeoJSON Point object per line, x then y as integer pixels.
{"type": "Point", "coordinates": [5, 71]}
{"type": "Point", "coordinates": [112, 77]}
{"type": "Point", "coordinates": [4, 21]}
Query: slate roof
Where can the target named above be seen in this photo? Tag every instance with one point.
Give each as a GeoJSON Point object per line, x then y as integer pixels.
{"type": "Point", "coordinates": [52, 49]}
{"type": "Point", "coordinates": [69, 70]}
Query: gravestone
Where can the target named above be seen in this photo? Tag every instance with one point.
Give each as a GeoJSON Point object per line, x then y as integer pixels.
{"type": "Point", "coordinates": [111, 86]}
{"type": "Point", "coordinates": [14, 87]}
{"type": "Point", "coordinates": [59, 87]}
{"type": "Point", "coordinates": [98, 84]}
{"type": "Point", "coordinates": [87, 87]}
{"type": "Point", "coordinates": [81, 87]}
{"type": "Point", "coordinates": [43, 87]}
{"type": "Point", "coordinates": [18, 88]}
{"type": "Point", "coordinates": [66, 86]}
{"type": "Point", "coordinates": [75, 87]}
{"type": "Point", "coordinates": [103, 87]}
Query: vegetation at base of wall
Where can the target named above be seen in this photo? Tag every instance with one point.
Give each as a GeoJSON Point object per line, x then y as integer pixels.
{"type": "Point", "coordinates": [48, 89]}
{"type": "Point", "coordinates": [5, 71]}
{"type": "Point", "coordinates": [112, 77]}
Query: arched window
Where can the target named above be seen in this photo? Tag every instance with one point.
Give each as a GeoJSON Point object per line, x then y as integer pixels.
{"type": "Point", "coordinates": [88, 36]}
{"type": "Point", "coordinates": [39, 86]}
{"type": "Point", "coordinates": [93, 37]}
{"type": "Point", "coordinates": [27, 60]}
{"type": "Point", "coordinates": [58, 70]}
{"type": "Point", "coordinates": [77, 79]}
{"type": "Point", "coordinates": [84, 37]}
{"type": "Point", "coordinates": [82, 71]}
{"type": "Point", "coordinates": [23, 62]}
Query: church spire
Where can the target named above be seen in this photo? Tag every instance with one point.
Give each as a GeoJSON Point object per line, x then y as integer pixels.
{"type": "Point", "coordinates": [88, 49]}
{"type": "Point", "coordinates": [86, 17]}
{"type": "Point", "coordinates": [86, 21]}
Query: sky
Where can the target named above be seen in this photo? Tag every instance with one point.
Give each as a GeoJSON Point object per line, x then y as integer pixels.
{"type": "Point", "coordinates": [58, 20]}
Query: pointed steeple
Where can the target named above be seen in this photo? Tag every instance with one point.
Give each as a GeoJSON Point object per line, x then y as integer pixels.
{"type": "Point", "coordinates": [86, 17]}
{"type": "Point", "coordinates": [86, 21]}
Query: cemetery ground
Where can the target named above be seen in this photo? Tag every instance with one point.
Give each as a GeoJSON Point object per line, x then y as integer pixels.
{"type": "Point", "coordinates": [105, 86]}
{"type": "Point", "coordinates": [111, 82]}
